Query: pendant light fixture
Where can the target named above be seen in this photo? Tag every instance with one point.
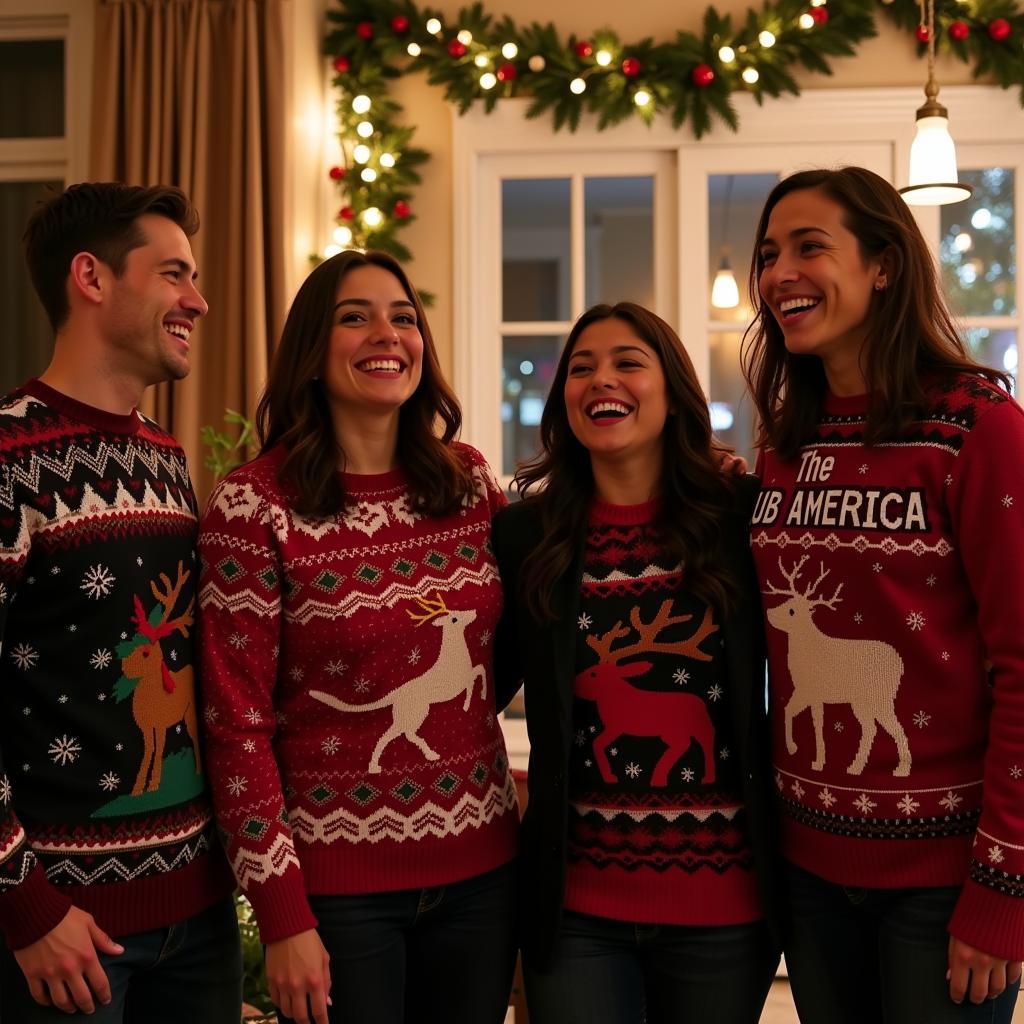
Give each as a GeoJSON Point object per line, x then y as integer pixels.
{"type": "Point", "coordinates": [725, 293]}
{"type": "Point", "coordinates": [933, 175]}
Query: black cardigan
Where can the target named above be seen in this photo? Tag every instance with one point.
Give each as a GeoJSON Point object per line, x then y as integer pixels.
{"type": "Point", "coordinates": [542, 656]}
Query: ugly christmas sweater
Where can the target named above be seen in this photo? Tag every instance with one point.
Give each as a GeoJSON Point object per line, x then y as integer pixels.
{"type": "Point", "coordinates": [102, 799]}
{"type": "Point", "coordinates": [350, 714]}
{"type": "Point", "coordinates": [892, 577]}
{"type": "Point", "coordinates": [656, 824]}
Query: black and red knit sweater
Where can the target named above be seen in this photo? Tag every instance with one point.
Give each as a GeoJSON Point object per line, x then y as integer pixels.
{"type": "Point", "coordinates": [892, 580]}
{"type": "Point", "coordinates": [656, 825]}
{"type": "Point", "coordinates": [349, 707]}
{"type": "Point", "coordinates": [102, 799]}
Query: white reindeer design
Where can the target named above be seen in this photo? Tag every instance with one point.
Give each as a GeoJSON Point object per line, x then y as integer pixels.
{"type": "Point", "coordinates": [831, 670]}
{"type": "Point", "coordinates": [453, 673]}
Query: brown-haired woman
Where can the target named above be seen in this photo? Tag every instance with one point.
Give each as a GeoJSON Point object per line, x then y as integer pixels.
{"type": "Point", "coordinates": [348, 600]}
{"type": "Point", "coordinates": [632, 615]}
{"type": "Point", "coordinates": [889, 539]}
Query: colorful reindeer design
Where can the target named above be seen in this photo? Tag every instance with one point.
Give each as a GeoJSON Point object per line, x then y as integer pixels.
{"type": "Point", "coordinates": [678, 719]}
{"type": "Point", "coordinates": [160, 698]}
{"type": "Point", "coordinates": [831, 670]}
{"type": "Point", "coordinates": [451, 674]}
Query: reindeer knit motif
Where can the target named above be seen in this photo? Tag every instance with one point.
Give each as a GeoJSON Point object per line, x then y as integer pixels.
{"type": "Point", "coordinates": [892, 589]}
{"type": "Point", "coordinates": [102, 800]}
{"type": "Point", "coordinates": [352, 740]}
{"type": "Point", "coordinates": [656, 825]}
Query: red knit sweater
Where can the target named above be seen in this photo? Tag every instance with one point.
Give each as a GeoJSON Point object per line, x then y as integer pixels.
{"type": "Point", "coordinates": [349, 705]}
{"type": "Point", "coordinates": [656, 825]}
{"type": "Point", "coordinates": [893, 590]}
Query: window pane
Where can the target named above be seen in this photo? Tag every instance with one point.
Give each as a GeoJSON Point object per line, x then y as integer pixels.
{"type": "Point", "coordinates": [32, 76]}
{"type": "Point", "coordinates": [994, 348]}
{"type": "Point", "coordinates": [732, 413]}
{"type": "Point", "coordinates": [978, 253]}
{"type": "Point", "coordinates": [535, 216]}
{"type": "Point", "coordinates": [29, 340]}
{"type": "Point", "coordinates": [619, 240]}
{"type": "Point", "coordinates": [734, 206]}
{"type": "Point", "coordinates": [527, 367]}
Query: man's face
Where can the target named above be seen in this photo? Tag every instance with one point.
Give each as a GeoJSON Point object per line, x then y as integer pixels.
{"type": "Point", "coordinates": [154, 305]}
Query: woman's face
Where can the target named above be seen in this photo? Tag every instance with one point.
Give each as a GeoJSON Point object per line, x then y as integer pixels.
{"type": "Point", "coordinates": [375, 352]}
{"type": "Point", "coordinates": [814, 279]}
{"type": "Point", "coordinates": [616, 398]}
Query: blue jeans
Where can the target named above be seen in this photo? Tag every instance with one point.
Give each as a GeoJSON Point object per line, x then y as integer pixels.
{"type": "Point", "coordinates": [442, 955]}
{"type": "Point", "coordinates": [876, 955]}
{"type": "Point", "coordinates": [615, 972]}
{"type": "Point", "coordinates": [190, 971]}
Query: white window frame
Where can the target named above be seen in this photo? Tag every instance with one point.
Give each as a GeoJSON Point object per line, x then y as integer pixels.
{"type": "Point", "coordinates": [820, 121]}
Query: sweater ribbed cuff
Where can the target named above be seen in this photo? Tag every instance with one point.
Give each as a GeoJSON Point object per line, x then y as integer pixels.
{"type": "Point", "coordinates": [281, 907]}
{"type": "Point", "coordinates": [989, 921]}
{"type": "Point", "coordinates": [29, 910]}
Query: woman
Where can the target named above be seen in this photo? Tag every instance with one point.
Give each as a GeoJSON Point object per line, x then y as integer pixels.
{"type": "Point", "coordinates": [348, 600]}
{"type": "Point", "coordinates": [632, 615]}
{"type": "Point", "coordinates": [889, 540]}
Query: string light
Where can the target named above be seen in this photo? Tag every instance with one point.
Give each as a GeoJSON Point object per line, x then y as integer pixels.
{"type": "Point", "coordinates": [577, 86]}
{"type": "Point", "coordinates": [750, 75]}
{"type": "Point", "coordinates": [387, 160]}
{"type": "Point", "coordinates": [641, 97]}
{"type": "Point", "coordinates": [806, 21]}
{"type": "Point", "coordinates": [481, 60]}
{"type": "Point", "coordinates": [488, 80]}
{"type": "Point", "coordinates": [726, 54]}
{"type": "Point", "coordinates": [509, 50]}
{"type": "Point", "coordinates": [364, 129]}
{"type": "Point", "coordinates": [413, 49]}
{"type": "Point", "coordinates": [372, 217]}
{"type": "Point", "coordinates": [361, 104]}
{"type": "Point", "coordinates": [342, 235]}
{"type": "Point", "coordinates": [368, 174]}
{"type": "Point", "coordinates": [361, 154]}
{"type": "Point", "coordinates": [464, 36]}
{"type": "Point", "coordinates": [766, 39]}
{"type": "Point", "coordinates": [332, 250]}
{"type": "Point", "coordinates": [603, 58]}
{"type": "Point", "coordinates": [434, 27]}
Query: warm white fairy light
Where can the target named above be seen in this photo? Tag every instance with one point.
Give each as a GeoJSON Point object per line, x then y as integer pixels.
{"type": "Point", "coordinates": [806, 21]}
{"type": "Point", "coordinates": [509, 51]}
{"type": "Point", "coordinates": [413, 49]}
{"type": "Point", "coordinates": [603, 58]}
{"type": "Point", "coordinates": [364, 129]}
{"type": "Point", "coordinates": [368, 174]}
{"type": "Point", "coordinates": [372, 217]}
{"type": "Point", "coordinates": [434, 27]}
{"type": "Point", "coordinates": [342, 235]}
{"type": "Point", "coordinates": [641, 97]}
{"type": "Point", "coordinates": [577, 85]}
{"type": "Point", "coordinates": [361, 154]}
{"type": "Point", "coordinates": [361, 104]}
{"type": "Point", "coordinates": [750, 75]}
{"type": "Point", "coordinates": [818, 3]}
{"type": "Point", "coordinates": [387, 160]}
{"type": "Point", "coordinates": [481, 60]}
{"type": "Point", "coordinates": [536, 63]}
{"type": "Point", "coordinates": [488, 80]}
{"type": "Point", "coordinates": [766, 39]}
{"type": "Point", "coordinates": [464, 36]}
{"type": "Point", "coordinates": [331, 250]}
{"type": "Point", "coordinates": [726, 54]}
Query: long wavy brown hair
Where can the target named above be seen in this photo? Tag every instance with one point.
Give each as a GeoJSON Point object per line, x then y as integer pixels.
{"type": "Point", "coordinates": [293, 411]}
{"type": "Point", "coordinates": [692, 492]}
{"type": "Point", "coordinates": [911, 334]}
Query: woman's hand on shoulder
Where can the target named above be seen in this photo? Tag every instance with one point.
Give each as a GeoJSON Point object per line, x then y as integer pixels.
{"type": "Point", "coordinates": [299, 977]}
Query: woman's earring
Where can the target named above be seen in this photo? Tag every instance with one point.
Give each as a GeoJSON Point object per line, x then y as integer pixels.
{"type": "Point", "coordinates": [880, 285]}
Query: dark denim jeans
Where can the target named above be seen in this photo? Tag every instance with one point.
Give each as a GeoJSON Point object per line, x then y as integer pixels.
{"type": "Point", "coordinates": [191, 971]}
{"type": "Point", "coordinates": [877, 955]}
{"type": "Point", "coordinates": [443, 955]}
{"type": "Point", "coordinates": [615, 972]}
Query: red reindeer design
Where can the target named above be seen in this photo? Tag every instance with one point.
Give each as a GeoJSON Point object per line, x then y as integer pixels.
{"type": "Point", "coordinates": [678, 719]}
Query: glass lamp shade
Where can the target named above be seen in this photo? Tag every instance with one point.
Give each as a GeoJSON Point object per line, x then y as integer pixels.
{"type": "Point", "coordinates": [933, 176]}
{"type": "Point", "coordinates": [724, 292]}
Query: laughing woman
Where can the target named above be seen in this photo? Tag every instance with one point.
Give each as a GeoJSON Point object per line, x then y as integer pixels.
{"type": "Point", "coordinates": [348, 602]}
{"type": "Point", "coordinates": [632, 615]}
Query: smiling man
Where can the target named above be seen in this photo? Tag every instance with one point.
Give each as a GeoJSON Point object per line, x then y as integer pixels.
{"type": "Point", "coordinates": [105, 825]}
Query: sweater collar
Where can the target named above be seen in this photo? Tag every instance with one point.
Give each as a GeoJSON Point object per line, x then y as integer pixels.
{"type": "Point", "coordinates": [111, 422]}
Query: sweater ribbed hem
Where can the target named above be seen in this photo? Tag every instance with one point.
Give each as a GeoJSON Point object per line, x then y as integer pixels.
{"type": "Point", "coordinates": [29, 910]}
{"type": "Point", "coordinates": [281, 907]}
{"type": "Point", "coordinates": [989, 921]}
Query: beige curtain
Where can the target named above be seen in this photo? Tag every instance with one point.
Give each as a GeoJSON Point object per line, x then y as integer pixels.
{"type": "Point", "coordinates": [191, 93]}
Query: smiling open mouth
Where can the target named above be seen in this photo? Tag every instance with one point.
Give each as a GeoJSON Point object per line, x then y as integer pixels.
{"type": "Point", "coordinates": [793, 307]}
{"type": "Point", "coordinates": [606, 410]}
{"type": "Point", "coordinates": [381, 366]}
{"type": "Point", "coordinates": [179, 330]}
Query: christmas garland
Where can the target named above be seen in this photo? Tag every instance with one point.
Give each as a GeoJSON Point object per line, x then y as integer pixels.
{"type": "Point", "coordinates": [692, 78]}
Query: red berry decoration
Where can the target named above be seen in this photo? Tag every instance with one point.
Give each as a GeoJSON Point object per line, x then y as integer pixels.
{"type": "Point", "coordinates": [702, 75]}
{"type": "Point", "coordinates": [631, 67]}
{"type": "Point", "coordinates": [337, 173]}
{"type": "Point", "coordinates": [959, 30]}
{"type": "Point", "coordinates": [999, 30]}
{"type": "Point", "coordinates": [506, 72]}
{"type": "Point", "coordinates": [347, 213]}
{"type": "Point", "coordinates": [341, 65]}
{"type": "Point", "coordinates": [365, 30]}
{"type": "Point", "coordinates": [399, 24]}
{"type": "Point", "coordinates": [820, 15]}
{"type": "Point", "coordinates": [583, 49]}
{"type": "Point", "coordinates": [401, 210]}
{"type": "Point", "coordinates": [456, 49]}
{"type": "Point", "coordinates": [922, 33]}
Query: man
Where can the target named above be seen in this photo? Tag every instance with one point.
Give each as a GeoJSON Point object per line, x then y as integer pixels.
{"type": "Point", "coordinates": [105, 824]}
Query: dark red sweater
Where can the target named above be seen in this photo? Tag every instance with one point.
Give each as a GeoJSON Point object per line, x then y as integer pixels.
{"type": "Point", "coordinates": [892, 579]}
{"type": "Point", "coordinates": [349, 701]}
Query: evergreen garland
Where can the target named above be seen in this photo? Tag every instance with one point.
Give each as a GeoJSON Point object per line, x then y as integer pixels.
{"type": "Point", "coordinates": [692, 78]}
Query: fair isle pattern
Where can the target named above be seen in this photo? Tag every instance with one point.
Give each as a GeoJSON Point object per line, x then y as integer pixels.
{"type": "Point", "coordinates": [859, 543]}
{"type": "Point", "coordinates": [352, 737]}
{"type": "Point", "coordinates": [119, 869]}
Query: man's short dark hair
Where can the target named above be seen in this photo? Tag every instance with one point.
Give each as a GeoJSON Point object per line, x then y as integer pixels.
{"type": "Point", "coordinates": [99, 218]}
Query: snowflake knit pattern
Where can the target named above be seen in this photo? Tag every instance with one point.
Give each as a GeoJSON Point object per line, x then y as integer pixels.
{"type": "Point", "coordinates": [892, 588]}
{"type": "Point", "coordinates": [351, 733]}
{"type": "Point", "coordinates": [656, 826]}
{"type": "Point", "coordinates": [102, 800]}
